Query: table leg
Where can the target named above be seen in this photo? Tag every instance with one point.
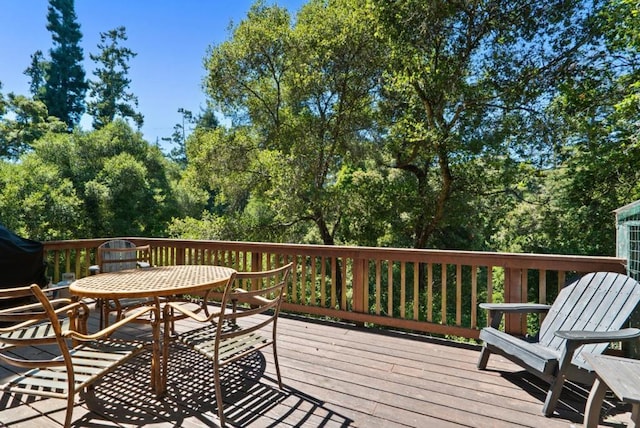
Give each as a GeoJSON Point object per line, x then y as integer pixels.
{"type": "Point", "coordinates": [158, 379]}
{"type": "Point", "coordinates": [594, 404]}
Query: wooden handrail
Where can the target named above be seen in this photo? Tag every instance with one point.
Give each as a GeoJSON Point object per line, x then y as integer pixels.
{"type": "Point", "coordinates": [434, 291]}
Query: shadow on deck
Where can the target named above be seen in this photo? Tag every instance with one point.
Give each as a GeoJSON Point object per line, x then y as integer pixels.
{"type": "Point", "coordinates": [334, 375]}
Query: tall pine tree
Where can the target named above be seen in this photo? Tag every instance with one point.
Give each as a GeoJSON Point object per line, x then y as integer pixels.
{"type": "Point", "coordinates": [109, 96]}
{"type": "Point", "coordinates": [37, 71]}
{"type": "Point", "coordinates": [65, 84]}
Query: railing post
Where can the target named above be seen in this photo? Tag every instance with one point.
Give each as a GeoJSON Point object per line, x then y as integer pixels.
{"type": "Point", "coordinates": [180, 256]}
{"type": "Point", "coordinates": [256, 262]}
{"type": "Point", "coordinates": [360, 281]}
{"type": "Point", "coordinates": [513, 294]}
{"type": "Point", "coordinates": [256, 266]}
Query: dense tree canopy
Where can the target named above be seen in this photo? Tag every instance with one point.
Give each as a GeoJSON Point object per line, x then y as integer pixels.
{"type": "Point", "coordinates": [22, 122]}
{"type": "Point", "coordinates": [463, 98]}
{"type": "Point", "coordinates": [114, 182]}
{"type": "Point", "coordinates": [494, 125]}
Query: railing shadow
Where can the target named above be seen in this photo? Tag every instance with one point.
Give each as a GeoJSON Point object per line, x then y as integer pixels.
{"type": "Point", "coordinates": [250, 396]}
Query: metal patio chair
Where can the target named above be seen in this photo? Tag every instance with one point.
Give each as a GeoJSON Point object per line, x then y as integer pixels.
{"type": "Point", "coordinates": [77, 361]}
{"type": "Point", "coordinates": [227, 336]}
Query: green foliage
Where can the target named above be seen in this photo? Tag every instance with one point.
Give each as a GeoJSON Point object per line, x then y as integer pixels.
{"type": "Point", "coordinates": [568, 209]}
{"type": "Point", "coordinates": [301, 99]}
{"type": "Point", "coordinates": [125, 184]}
{"type": "Point", "coordinates": [48, 207]}
{"type": "Point", "coordinates": [109, 96]}
{"type": "Point", "coordinates": [179, 137]}
{"type": "Point", "coordinates": [462, 89]}
{"type": "Point", "coordinates": [509, 126]}
{"type": "Point", "coordinates": [37, 72]}
{"type": "Point", "coordinates": [207, 227]}
{"type": "Point", "coordinates": [23, 121]}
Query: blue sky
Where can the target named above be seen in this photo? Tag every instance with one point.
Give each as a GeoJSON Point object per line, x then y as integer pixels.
{"type": "Point", "coordinates": [171, 38]}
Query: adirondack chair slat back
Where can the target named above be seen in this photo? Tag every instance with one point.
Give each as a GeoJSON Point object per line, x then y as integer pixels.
{"type": "Point", "coordinates": [601, 301]}
{"type": "Point", "coordinates": [119, 254]}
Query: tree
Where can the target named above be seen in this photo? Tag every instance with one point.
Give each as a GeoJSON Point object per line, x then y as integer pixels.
{"type": "Point", "coordinates": [179, 137]}
{"type": "Point", "coordinates": [301, 103]}
{"type": "Point", "coordinates": [124, 184]}
{"type": "Point", "coordinates": [22, 121]}
{"type": "Point", "coordinates": [25, 121]}
{"type": "Point", "coordinates": [65, 85]}
{"type": "Point", "coordinates": [36, 201]}
{"type": "Point", "coordinates": [109, 96]}
{"type": "Point", "coordinates": [596, 109]}
{"type": "Point", "coordinates": [463, 101]}
{"type": "Point", "coordinates": [37, 72]}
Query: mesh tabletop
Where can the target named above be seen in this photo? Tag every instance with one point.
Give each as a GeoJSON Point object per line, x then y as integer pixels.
{"type": "Point", "coordinates": [151, 282]}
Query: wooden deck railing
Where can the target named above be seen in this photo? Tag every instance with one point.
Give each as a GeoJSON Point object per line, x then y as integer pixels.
{"type": "Point", "coordinates": [421, 290]}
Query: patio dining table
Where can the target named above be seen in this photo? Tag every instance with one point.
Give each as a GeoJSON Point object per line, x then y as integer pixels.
{"type": "Point", "coordinates": [152, 283]}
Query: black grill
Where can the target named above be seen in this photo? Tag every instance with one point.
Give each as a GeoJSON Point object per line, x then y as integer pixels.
{"type": "Point", "coordinates": [21, 261]}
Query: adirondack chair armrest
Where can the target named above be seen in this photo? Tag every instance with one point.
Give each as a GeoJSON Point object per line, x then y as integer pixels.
{"type": "Point", "coordinates": [579, 337]}
{"type": "Point", "coordinates": [516, 307]}
{"type": "Point", "coordinates": [574, 339]}
{"type": "Point", "coordinates": [497, 310]}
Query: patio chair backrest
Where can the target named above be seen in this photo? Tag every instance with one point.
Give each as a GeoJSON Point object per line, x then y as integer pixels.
{"type": "Point", "coordinates": [600, 301]}
{"type": "Point", "coordinates": [262, 295]}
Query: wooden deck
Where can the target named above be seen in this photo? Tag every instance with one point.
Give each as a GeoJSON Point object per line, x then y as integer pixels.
{"type": "Point", "coordinates": [335, 376]}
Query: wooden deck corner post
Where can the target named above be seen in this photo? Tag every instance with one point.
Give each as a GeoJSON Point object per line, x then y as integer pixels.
{"type": "Point", "coordinates": [513, 294]}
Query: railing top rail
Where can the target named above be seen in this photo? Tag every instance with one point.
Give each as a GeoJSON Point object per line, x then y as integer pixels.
{"type": "Point", "coordinates": [470, 258]}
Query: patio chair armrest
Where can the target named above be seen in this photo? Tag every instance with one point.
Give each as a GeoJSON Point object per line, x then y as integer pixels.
{"type": "Point", "coordinates": [176, 306]}
{"type": "Point", "coordinates": [60, 306]}
{"type": "Point", "coordinates": [72, 334]}
{"type": "Point", "coordinates": [578, 337]}
{"type": "Point", "coordinates": [37, 305]}
{"type": "Point", "coordinates": [54, 287]}
{"type": "Point", "coordinates": [243, 296]}
{"type": "Point", "coordinates": [497, 310]}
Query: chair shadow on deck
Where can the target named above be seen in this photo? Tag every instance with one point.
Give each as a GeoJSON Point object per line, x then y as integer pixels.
{"type": "Point", "coordinates": [125, 397]}
{"type": "Point", "coordinates": [572, 402]}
